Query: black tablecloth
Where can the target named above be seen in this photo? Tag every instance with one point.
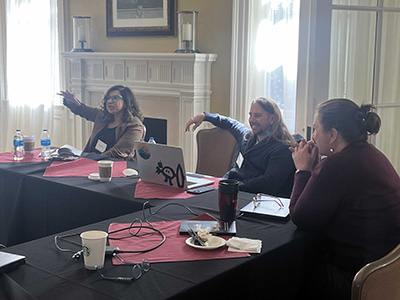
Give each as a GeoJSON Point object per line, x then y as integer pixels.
{"type": "Point", "coordinates": [273, 274]}
{"type": "Point", "coordinates": [33, 206]}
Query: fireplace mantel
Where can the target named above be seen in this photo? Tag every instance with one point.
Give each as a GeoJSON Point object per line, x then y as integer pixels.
{"type": "Point", "coordinates": [170, 86]}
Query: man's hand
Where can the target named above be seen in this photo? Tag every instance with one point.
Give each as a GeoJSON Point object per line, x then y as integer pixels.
{"type": "Point", "coordinates": [195, 121]}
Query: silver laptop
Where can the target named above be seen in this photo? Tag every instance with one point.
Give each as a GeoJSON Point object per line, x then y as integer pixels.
{"type": "Point", "coordinates": [164, 165]}
{"type": "Point", "coordinates": [9, 261]}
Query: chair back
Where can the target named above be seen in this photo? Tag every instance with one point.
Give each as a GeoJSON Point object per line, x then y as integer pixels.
{"type": "Point", "coordinates": [379, 279]}
{"type": "Point", "coordinates": [216, 149]}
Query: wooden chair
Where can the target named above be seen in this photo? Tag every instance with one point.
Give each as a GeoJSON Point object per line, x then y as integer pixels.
{"type": "Point", "coordinates": [379, 279]}
{"type": "Point", "coordinates": [216, 149]}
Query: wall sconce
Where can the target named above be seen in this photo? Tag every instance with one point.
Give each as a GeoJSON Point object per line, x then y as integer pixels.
{"type": "Point", "coordinates": [187, 31]}
{"type": "Point", "coordinates": [81, 34]}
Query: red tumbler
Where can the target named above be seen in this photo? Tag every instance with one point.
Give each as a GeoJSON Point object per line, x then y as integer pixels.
{"type": "Point", "coordinates": [228, 200]}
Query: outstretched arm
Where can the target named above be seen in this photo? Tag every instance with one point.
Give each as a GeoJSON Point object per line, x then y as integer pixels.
{"type": "Point", "coordinates": [195, 121]}
{"type": "Point", "coordinates": [78, 108]}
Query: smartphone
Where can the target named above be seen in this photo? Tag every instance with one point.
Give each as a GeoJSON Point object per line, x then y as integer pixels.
{"type": "Point", "coordinates": [200, 190]}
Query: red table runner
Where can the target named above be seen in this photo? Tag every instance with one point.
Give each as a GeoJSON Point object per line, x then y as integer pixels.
{"type": "Point", "coordinates": [174, 248]}
{"type": "Point", "coordinates": [149, 190]}
{"type": "Point", "coordinates": [9, 157]}
{"type": "Point", "coordinates": [81, 167]}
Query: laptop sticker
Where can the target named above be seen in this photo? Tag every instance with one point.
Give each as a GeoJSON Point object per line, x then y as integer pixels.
{"type": "Point", "coordinates": [144, 151]}
{"type": "Point", "coordinates": [169, 174]}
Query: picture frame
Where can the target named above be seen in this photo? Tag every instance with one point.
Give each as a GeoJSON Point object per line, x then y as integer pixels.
{"type": "Point", "coordinates": [140, 17]}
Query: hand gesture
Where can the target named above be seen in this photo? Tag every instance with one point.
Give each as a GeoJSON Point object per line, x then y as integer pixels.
{"type": "Point", "coordinates": [69, 98]}
{"type": "Point", "coordinates": [305, 154]}
{"type": "Point", "coordinates": [195, 121]}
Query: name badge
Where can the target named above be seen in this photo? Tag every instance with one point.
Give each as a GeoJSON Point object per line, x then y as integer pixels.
{"type": "Point", "coordinates": [101, 146]}
{"type": "Point", "coordinates": [239, 160]}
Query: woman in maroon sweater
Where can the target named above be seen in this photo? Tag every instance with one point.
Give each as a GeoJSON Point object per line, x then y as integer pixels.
{"type": "Point", "coordinates": [352, 196]}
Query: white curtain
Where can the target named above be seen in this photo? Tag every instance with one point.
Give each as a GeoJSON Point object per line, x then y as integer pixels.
{"type": "Point", "coordinates": [32, 75]}
{"type": "Point", "coordinates": [2, 52]}
{"type": "Point", "coordinates": [365, 64]}
{"type": "Point", "coordinates": [265, 51]}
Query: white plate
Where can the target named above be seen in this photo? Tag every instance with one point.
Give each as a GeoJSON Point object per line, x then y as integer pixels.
{"type": "Point", "coordinates": [213, 242]}
{"type": "Point", "coordinates": [130, 172]}
{"type": "Point", "coordinates": [94, 176]}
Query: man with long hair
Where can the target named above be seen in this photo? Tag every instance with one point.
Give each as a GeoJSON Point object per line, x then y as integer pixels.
{"type": "Point", "coordinates": [267, 165]}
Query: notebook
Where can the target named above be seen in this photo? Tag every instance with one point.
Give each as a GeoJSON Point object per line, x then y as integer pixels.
{"type": "Point", "coordinates": [9, 261]}
{"type": "Point", "coordinates": [164, 164]}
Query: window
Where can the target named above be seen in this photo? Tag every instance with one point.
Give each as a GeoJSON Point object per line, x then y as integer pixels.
{"type": "Point", "coordinates": [32, 52]}
{"type": "Point", "coordinates": [365, 65]}
{"type": "Point", "coordinates": [29, 67]}
{"type": "Point", "coordinates": [266, 56]}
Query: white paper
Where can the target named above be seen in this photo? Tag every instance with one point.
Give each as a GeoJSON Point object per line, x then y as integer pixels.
{"type": "Point", "coordinates": [73, 149]}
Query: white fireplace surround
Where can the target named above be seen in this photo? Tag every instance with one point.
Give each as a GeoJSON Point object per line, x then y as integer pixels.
{"type": "Point", "coordinates": [169, 86]}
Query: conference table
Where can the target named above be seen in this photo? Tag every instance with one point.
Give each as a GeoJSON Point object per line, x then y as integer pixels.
{"type": "Point", "coordinates": [34, 206]}
{"type": "Point", "coordinates": [275, 273]}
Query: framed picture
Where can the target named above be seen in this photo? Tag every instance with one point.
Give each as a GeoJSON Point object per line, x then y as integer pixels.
{"type": "Point", "coordinates": [140, 17]}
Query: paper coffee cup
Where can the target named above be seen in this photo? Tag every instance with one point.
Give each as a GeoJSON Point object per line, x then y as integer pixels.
{"type": "Point", "coordinates": [29, 144]}
{"type": "Point", "coordinates": [94, 248]}
{"type": "Point", "coordinates": [105, 170]}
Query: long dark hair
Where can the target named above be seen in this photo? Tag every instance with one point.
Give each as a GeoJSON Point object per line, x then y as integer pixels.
{"type": "Point", "coordinates": [279, 129]}
{"type": "Point", "coordinates": [131, 107]}
{"type": "Point", "coordinates": [354, 123]}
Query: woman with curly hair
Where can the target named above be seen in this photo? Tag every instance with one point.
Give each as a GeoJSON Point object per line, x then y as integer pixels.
{"type": "Point", "coordinates": [117, 123]}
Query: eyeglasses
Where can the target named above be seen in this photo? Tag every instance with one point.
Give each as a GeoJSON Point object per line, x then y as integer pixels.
{"type": "Point", "coordinates": [137, 270]}
{"type": "Point", "coordinates": [267, 198]}
{"type": "Point", "coordinates": [114, 98]}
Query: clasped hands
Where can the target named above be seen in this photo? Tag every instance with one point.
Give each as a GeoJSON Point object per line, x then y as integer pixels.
{"type": "Point", "coordinates": [305, 155]}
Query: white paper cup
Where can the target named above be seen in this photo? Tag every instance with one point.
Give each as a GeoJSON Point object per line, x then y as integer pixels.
{"type": "Point", "coordinates": [105, 170]}
{"type": "Point", "coordinates": [29, 144]}
{"type": "Point", "coordinates": [94, 248]}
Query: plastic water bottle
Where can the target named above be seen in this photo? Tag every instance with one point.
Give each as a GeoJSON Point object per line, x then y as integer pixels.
{"type": "Point", "coordinates": [152, 140]}
{"type": "Point", "coordinates": [18, 142]}
{"type": "Point", "coordinates": [45, 144]}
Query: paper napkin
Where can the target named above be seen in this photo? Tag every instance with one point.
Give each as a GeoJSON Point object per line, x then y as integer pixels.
{"type": "Point", "coordinates": [237, 244]}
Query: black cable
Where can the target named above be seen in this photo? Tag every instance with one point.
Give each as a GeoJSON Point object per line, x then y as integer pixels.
{"type": "Point", "coordinates": [162, 207]}
{"type": "Point", "coordinates": [78, 253]}
{"type": "Point", "coordinates": [137, 251]}
{"type": "Point", "coordinates": [139, 227]}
